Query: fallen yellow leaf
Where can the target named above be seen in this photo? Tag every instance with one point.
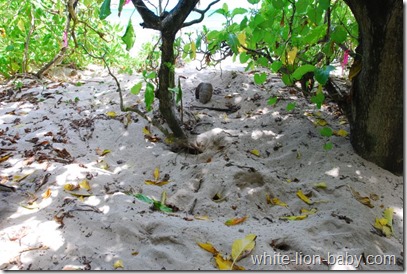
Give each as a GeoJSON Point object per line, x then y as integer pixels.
{"type": "Point", "coordinates": [156, 183]}
{"type": "Point", "coordinates": [341, 133]}
{"type": "Point", "coordinates": [69, 187]}
{"type": "Point", "coordinates": [202, 218]}
{"type": "Point", "coordinates": [19, 178]}
{"type": "Point", "coordinates": [276, 201]}
{"type": "Point", "coordinates": [320, 185]}
{"type": "Point", "coordinates": [118, 264]}
{"type": "Point", "coordinates": [255, 152]}
{"type": "Point", "coordinates": [321, 122]}
{"type": "Point", "coordinates": [303, 197]}
{"type": "Point", "coordinates": [146, 131]}
{"type": "Point", "coordinates": [226, 264]}
{"type": "Point", "coordinates": [111, 114]}
{"type": "Point", "coordinates": [305, 211]}
{"type": "Point", "coordinates": [79, 193]}
{"type": "Point", "coordinates": [235, 221]}
{"type": "Point", "coordinates": [46, 194]}
{"type": "Point", "coordinates": [208, 247]}
{"type": "Point", "coordinates": [294, 218]}
{"type": "Point", "coordinates": [156, 173]}
{"type": "Point", "coordinates": [84, 184]}
{"type": "Point", "coordinates": [243, 247]}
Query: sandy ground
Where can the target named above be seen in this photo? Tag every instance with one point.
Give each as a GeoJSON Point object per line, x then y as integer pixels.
{"type": "Point", "coordinates": [55, 132]}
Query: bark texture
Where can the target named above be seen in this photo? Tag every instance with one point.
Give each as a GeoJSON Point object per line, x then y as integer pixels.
{"type": "Point", "coordinates": [376, 118]}
{"type": "Point", "coordinates": [168, 23]}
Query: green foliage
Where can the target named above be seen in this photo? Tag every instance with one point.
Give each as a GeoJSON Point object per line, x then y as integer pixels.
{"type": "Point", "coordinates": [326, 131]}
{"type": "Point", "coordinates": [157, 205]}
{"type": "Point", "coordinates": [318, 98]}
{"type": "Point", "coordinates": [40, 25]}
{"type": "Point", "coordinates": [272, 101]}
{"type": "Point", "coordinates": [149, 94]}
{"type": "Point", "coordinates": [105, 10]}
{"type": "Point", "coordinates": [129, 36]}
{"type": "Point", "coordinates": [292, 38]}
{"type": "Point", "coordinates": [290, 106]}
{"type": "Point", "coordinates": [260, 78]}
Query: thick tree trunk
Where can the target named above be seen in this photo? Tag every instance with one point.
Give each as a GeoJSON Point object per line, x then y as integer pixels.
{"type": "Point", "coordinates": [376, 118]}
{"type": "Point", "coordinates": [166, 81]}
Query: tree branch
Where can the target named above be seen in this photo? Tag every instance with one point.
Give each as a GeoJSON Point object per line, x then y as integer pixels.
{"type": "Point", "coordinates": [119, 90]}
{"type": "Point", "coordinates": [202, 12]}
{"type": "Point", "coordinates": [175, 19]}
{"type": "Point", "coordinates": [150, 20]}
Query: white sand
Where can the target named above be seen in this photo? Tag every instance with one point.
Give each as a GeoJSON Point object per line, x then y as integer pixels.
{"type": "Point", "coordinates": [290, 147]}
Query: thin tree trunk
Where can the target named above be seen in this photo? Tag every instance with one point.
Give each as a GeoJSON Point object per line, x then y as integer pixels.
{"type": "Point", "coordinates": [166, 81]}
{"type": "Point", "coordinates": [376, 119]}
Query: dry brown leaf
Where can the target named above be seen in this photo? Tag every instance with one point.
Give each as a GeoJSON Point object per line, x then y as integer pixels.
{"type": "Point", "coordinates": [363, 200]}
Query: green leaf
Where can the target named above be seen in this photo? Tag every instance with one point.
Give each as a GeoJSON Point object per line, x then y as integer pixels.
{"type": "Point", "coordinates": [151, 75]}
{"type": "Point", "coordinates": [136, 88]}
{"type": "Point", "coordinates": [315, 15]}
{"type": "Point", "coordinates": [244, 57]}
{"type": "Point", "coordinates": [278, 4]}
{"type": "Point", "coordinates": [290, 106]}
{"type": "Point", "coordinates": [322, 74]}
{"type": "Point", "coordinates": [129, 36]}
{"type": "Point", "coordinates": [121, 4]}
{"type": "Point", "coordinates": [233, 42]}
{"type": "Point", "coordinates": [10, 48]}
{"type": "Point", "coordinates": [213, 35]}
{"type": "Point", "coordinates": [326, 131]}
{"type": "Point", "coordinates": [272, 101]}
{"type": "Point", "coordinates": [225, 7]}
{"type": "Point", "coordinates": [260, 78]}
{"type": "Point", "coordinates": [159, 206]}
{"type": "Point", "coordinates": [105, 10]}
{"type": "Point", "coordinates": [243, 23]}
{"type": "Point", "coordinates": [302, 6]}
{"type": "Point", "coordinates": [300, 71]}
{"type": "Point", "coordinates": [144, 198]}
{"type": "Point", "coordinates": [318, 99]}
{"type": "Point", "coordinates": [324, 4]}
{"type": "Point", "coordinates": [339, 34]}
{"type": "Point", "coordinates": [287, 80]}
{"type": "Point", "coordinates": [238, 11]}
{"type": "Point", "coordinates": [253, 2]}
{"type": "Point", "coordinates": [314, 35]}
{"type": "Point", "coordinates": [328, 146]}
{"type": "Point", "coordinates": [276, 66]}
{"type": "Point", "coordinates": [263, 61]}
{"type": "Point", "coordinates": [149, 96]}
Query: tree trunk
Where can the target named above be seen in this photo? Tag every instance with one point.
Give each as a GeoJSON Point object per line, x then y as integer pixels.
{"type": "Point", "coordinates": [166, 81]}
{"type": "Point", "coordinates": [376, 118]}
